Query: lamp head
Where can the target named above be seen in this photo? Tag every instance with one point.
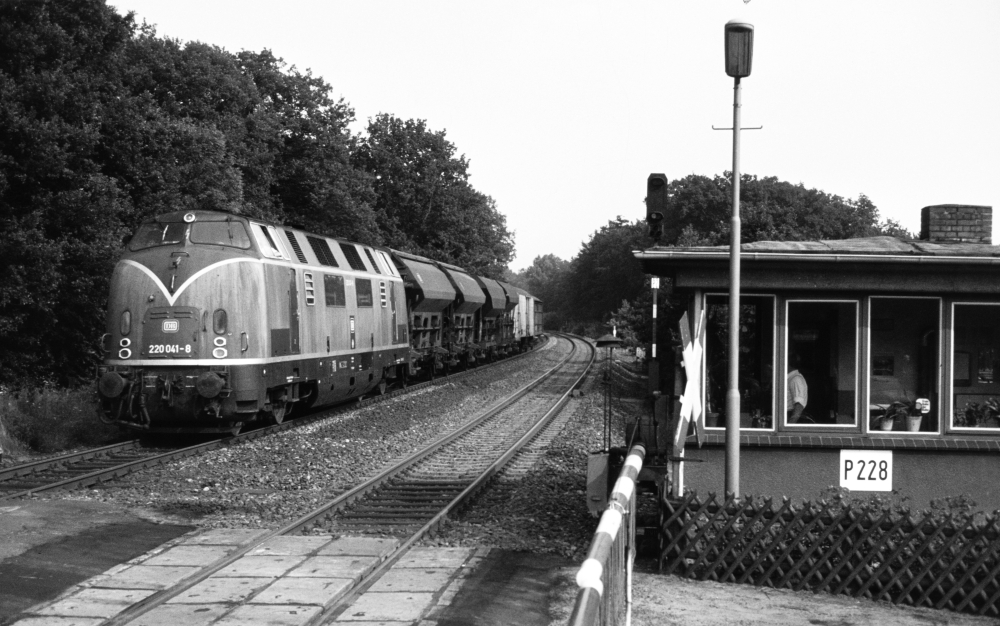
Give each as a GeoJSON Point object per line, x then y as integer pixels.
{"type": "Point", "coordinates": [739, 48]}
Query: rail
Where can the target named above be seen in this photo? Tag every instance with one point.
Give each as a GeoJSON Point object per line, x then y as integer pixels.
{"type": "Point", "coordinates": [72, 478]}
{"type": "Point", "coordinates": [304, 523]}
{"type": "Point", "coordinates": [605, 578]}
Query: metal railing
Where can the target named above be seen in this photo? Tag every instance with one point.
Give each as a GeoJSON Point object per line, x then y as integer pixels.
{"type": "Point", "coordinates": [605, 578]}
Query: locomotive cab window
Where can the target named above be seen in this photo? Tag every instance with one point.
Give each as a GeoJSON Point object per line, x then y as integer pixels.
{"type": "Point", "coordinates": [227, 233]}
{"type": "Point", "coordinates": [158, 234]}
{"type": "Point", "coordinates": [363, 287]}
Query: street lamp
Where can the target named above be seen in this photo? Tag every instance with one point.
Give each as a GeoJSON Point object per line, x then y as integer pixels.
{"type": "Point", "coordinates": [739, 58]}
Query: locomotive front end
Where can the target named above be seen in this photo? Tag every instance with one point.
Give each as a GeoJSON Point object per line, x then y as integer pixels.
{"type": "Point", "coordinates": [183, 312]}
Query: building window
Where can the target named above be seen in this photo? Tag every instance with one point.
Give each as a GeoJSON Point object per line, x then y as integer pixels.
{"type": "Point", "coordinates": [903, 364]}
{"type": "Point", "coordinates": [756, 378]}
{"type": "Point", "coordinates": [976, 366]}
{"type": "Point", "coordinates": [820, 383]}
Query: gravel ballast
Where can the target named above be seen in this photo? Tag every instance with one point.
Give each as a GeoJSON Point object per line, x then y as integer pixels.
{"type": "Point", "coordinates": [270, 481]}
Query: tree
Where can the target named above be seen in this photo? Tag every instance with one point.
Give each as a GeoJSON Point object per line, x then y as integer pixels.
{"type": "Point", "coordinates": [545, 279]}
{"type": "Point", "coordinates": [59, 228]}
{"type": "Point", "coordinates": [314, 183]}
{"type": "Point", "coordinates": [605, 272]}
{"type": "Point", "coordinates": [423, 201]}
{"type": "Point", "coordinates": [771, 210]}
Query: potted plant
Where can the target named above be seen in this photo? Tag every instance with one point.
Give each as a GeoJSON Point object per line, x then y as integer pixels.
{"type": "Point", "coordinates": [907, 411]}
{"type": "Point", "coordinates": [886, 419]}
{"type": "Point", "coordinates": [978, 415]}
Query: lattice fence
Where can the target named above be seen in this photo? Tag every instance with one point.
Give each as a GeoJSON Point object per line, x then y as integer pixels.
{"type": "Point", "coordinates": [936, 561]}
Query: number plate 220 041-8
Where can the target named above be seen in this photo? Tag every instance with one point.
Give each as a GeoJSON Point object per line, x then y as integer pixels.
{"type": "Point", "coordinates": [866, 470]}
{"type": "Point", "coordinates": [160, 349]}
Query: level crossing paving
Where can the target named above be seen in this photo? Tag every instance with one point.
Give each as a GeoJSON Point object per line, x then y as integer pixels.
{"type": "Point", "coordinates": [287, 580]}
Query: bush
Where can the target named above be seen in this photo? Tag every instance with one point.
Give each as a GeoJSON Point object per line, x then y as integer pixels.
{"type": "Point", "coordinates": [51, 419]}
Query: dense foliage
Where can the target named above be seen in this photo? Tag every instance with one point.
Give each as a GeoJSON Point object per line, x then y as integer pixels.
{"type": "Point", "coordinates": [604, 284]}
{"type": "Point", "coordinates": [103, 124]}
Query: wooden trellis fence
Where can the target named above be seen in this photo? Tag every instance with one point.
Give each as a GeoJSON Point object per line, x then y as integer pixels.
{"type": "Point", "coordinates": [936, 561]}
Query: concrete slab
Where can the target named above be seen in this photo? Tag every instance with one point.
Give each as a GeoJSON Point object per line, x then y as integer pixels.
{"type": "Point", "coordinates": [260, 566]}
{"type": "Point", "coordinates": [351, 567]}
{"type": "Point", "coordinates": [271, 615]}
{"type": "Point", "coordinates": [198, 556]}
{"type": "Point", "coordinates": [94, 602]}
{"type": "Point", "coordinates": [48, 547]}
{"type": "Point", "coordinates": [144, 577]}
{"type": "Point", "coordinates": [221, 590]}
{"type": "Point", "coordinates": [60, 621]}
{"type": "Point", "coordinates": [412, 579]}
{"type": "Point", "coordinates": [434, 557]}
{"type": "Point", "coordinates": [317, 591]}
{"type": "Point", "coordinates": [359, 546]}
{"type": "Point", "coordinates": [186, 614]}
{"type": "Point", "coordinates": [287, 546]}
{"type": "Point", "coordinates": [448, 595]}
{"type": "Point", "coordinates": [225, 537]}
{"type": "Point", "coordinates": [400, 607]}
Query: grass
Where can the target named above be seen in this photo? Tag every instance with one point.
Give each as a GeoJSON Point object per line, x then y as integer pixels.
{"type": "Point", "coordinates": [50, 419]}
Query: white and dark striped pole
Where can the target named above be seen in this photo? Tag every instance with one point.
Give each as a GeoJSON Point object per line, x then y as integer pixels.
{"type": "Point", "coordinates": [593, 573]}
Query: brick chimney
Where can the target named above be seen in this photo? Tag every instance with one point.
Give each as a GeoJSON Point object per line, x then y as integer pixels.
{"type": "Point", "coordinates": [956, 223]}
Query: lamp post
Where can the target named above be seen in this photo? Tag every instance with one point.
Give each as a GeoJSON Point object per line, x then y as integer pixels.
{"type": "Point", "coordinates": [739, 58]}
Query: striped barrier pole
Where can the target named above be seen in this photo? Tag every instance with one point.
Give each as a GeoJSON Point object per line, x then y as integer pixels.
{"type": "Point", "coordinates": [611, 554]}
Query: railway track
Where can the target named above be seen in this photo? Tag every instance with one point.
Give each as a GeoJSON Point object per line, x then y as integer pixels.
{"type": "Point", "coordinates": [410, 499]}
{"type": "Point", "coordinates": [81, 469]}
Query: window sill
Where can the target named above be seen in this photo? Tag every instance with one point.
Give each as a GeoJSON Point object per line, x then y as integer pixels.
{"type": "Point", "coordinates": [878, 442]}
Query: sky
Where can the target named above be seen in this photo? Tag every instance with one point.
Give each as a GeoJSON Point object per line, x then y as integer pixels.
{"type": "Point", "coordinates": [564, 108]}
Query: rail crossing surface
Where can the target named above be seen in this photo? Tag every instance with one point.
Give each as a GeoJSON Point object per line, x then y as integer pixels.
{"type": "Point", "coordinates": [286, 581]}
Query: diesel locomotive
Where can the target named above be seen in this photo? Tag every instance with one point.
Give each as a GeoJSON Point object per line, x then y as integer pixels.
{"type": "Point", "coordinates": [216, 320]}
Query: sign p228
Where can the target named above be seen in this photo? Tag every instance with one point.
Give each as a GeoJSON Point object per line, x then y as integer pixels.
{"type": "Point", "coordinates": [866, 470]}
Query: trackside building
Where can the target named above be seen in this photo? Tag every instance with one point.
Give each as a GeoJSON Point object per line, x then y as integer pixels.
{"type": "Point", "coordinates": [898, 343]}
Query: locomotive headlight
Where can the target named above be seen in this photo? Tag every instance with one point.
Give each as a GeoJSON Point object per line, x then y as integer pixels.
{"type": "Point", "coordinates": [126, 322]}
{"type": "Point", "coordinates": [220, 321]}
{"type": "Point", "coordinates": [220, 342]}
{"type": "Point", "coordinates": [125, 342]}
{"type": "Point", "coordinates": [124, 353]}
{"type": "Point", "coordinates": [220, 353]}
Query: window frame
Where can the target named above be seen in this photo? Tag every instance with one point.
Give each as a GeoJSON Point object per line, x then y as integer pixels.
{"type": "Point", "coordinates": [358, 293]}
{"type": "Point", "coordinates": [866, 401]}
{"type": "Point", "coordinates": [774, 362]}
{"type": "Point", "coordinates": [327, 279]}
{"type": "Point", "coordinates": [949, 376]}
{"type": "Point", "coordinates": [783, 411]}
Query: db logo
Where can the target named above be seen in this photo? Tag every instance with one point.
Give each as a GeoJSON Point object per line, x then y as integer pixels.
{"type": "Point", "coordinates": [170, 326]}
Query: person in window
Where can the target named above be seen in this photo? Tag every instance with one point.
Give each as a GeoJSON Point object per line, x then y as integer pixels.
{"type": "Point", "coordinates": [798, 390]}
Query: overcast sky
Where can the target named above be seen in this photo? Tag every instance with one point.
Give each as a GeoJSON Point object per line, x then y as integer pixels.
{"type": "Point", "coordinates": [564, 108]}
